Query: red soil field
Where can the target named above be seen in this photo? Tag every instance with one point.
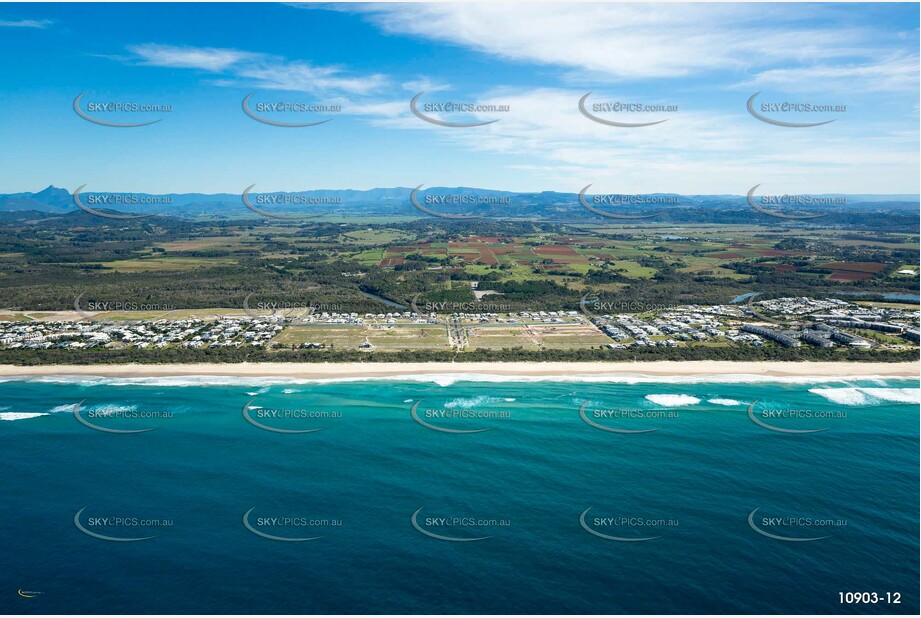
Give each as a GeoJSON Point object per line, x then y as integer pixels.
{"type": "Point", "coordinates": [859, 267]}
{"type": "Point", "coordinates": [468, 257]}
{"type": "Point", "coordinates": [845, 275]}
{"type": "Point", "coordinates": [555, 250]}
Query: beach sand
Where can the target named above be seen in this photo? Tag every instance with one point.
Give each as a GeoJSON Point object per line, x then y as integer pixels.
{"type": "Point", "coordinates": [598, 371]}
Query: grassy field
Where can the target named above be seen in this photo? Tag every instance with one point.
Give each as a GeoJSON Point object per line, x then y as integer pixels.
{"type": "Point", "coordinates": [389, 337]}
{"type": "Point", "coordinates": [535, 336]}
{"type": "Point", "coordinates": [205, 243]}
{"type": "Point", "coordinates": [374, 237]}
{"type": "Point", "coordinates": [167, 264]}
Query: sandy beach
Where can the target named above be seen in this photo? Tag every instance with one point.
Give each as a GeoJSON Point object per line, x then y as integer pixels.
{"type": "Point", "coordinates": [663, 369]}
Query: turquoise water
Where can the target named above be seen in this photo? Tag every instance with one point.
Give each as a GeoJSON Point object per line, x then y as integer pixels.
{"type": "Point", "coordinates": [688, 479]}
{"type": "Point", "coordinates": [742, 297]}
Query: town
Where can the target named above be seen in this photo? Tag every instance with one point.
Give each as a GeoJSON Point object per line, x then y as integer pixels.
{"type": "Point", "coordinates": [786, 322]}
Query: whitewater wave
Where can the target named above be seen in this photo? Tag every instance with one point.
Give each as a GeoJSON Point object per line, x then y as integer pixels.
{"type": "Point", "coordinates": [901, 395]}
{"type": "Point", "coordinates": [110, 409]}
{"type": "Point", "coordinates": [673, 400]}
{"type": "Point", "coordinates": [857, 396]}
{"type": "Point", "coordinates": [842, 396]}
{"type": "Point", "coordinates": [18, 416]}
{"type": "Point", "coordinates": [471, 402]}
{"type": "Point", "coordinates": [68, 407]}
{"type": "Point", "coordinates": [724, 402]}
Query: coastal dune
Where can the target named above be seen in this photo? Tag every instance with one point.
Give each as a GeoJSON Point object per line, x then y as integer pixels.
{"type": "Point", "coordinates": [552, 370]}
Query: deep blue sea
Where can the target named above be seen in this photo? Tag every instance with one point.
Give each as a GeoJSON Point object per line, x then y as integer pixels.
{"type": "Point", "coordinates": [454, 495]}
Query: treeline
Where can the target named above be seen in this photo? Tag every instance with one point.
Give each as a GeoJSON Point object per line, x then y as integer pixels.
{"type": "Point", "coordinates": [257, 355]}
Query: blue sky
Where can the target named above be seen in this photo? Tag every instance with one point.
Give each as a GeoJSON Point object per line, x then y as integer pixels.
{"type": "Point", "coordinates": [707, 60]}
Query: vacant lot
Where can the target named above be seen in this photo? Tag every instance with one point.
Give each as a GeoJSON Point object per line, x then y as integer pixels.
{"type": "Point", "coordinates": [535, 336]}
{"type": "Point", "coordinates": [384, 337]}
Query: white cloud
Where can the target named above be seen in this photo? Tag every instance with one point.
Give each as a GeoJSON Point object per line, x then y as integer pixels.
{"type": "Point", "coordinates": [424, 84]}
{"type": "Point", "coordinates": [693, 152]}
{"type": "Point", "coordinates": [204, 58]}
{"type": "Point", "coordinates": [26, 23]}
{"type": "Point", "coordinates": [258, 70]}
{"type": "Point", "coordinates": [700, 149]}
{"type": "Point", "coordinates": [895, 73]}
{"type": "Point", "coordinates": [631, 41]}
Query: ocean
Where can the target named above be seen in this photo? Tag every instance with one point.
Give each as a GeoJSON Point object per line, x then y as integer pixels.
{"type": "Point", "coordinates": [456, 494]}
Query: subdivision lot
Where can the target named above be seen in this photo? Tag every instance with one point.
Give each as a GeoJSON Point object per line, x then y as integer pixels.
{"type": "Point", "coordinates": [535, 336]}
{"type": "Point", "coordinates": [383, 337]}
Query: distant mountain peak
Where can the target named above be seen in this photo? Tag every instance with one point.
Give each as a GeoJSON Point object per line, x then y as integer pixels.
{"type": "Point", "coordinates": [51, 190]}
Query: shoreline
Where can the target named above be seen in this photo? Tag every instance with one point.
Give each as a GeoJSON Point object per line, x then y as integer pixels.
{"type": "Point", "coordinates": [512, 370]}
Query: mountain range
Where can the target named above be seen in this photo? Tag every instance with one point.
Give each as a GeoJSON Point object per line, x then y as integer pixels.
{"type": "Point", "coordinates": [396, 201]}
